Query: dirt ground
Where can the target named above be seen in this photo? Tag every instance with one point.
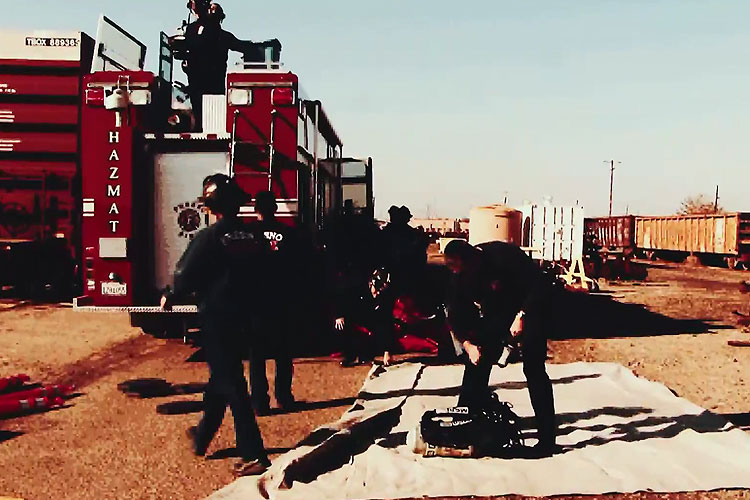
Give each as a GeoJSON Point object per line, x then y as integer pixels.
{"type": "Point", "coordinates": [123, 437]}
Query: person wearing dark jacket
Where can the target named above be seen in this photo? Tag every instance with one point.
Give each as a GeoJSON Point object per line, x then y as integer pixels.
{"type": "Point", "coordinates": [404, 249]}
{"type": "Point", "coordinates": [363, 308]}
{"type": "Point", "coordinates": [500, 295]}
{"type": "Point", "coordinates": [219, 268]}
{"type": "Point", "coordinates": [281, 268]}
{"type": "Point", "coordinates": [208, 46]}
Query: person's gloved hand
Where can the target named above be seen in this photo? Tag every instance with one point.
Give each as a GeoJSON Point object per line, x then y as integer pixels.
{"type": "Point", "coordinates": [516, 328]}
{"type": "Point", "coordinates": [165, 303]}
{"type": "Point", "coordinates": [166, 300]}
{"type": "Point", "coordinates": [473, 351]}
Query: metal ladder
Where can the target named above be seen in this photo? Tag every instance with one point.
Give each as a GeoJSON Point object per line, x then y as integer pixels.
{"type": "Point", "coordinates": [266, 144]}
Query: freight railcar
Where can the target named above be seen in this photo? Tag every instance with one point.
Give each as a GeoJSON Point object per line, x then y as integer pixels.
{"type": "Point", "coordinates": [40, 114]}
{"type": "Point", "coordinates": [712, 238]}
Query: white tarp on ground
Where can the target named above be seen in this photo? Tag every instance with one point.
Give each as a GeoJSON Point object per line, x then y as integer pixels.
{"type": "Point", "coordinates": [623, 434]}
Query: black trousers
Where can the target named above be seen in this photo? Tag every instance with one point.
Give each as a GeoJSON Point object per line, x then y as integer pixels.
{"type": "Point", "coordinates": [271, 340]}
{"type": "Point", "coordinates": [196, 102]}
{"type": "Point", "coordinates": [224, 346]}
{"type": "Point", "coordinates": [475, 389]}
{"type": "Point", "coordinates": [200, 86]}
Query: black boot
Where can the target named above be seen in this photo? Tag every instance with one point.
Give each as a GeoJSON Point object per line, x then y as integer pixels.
{"type": "Point", "coordinates": [199, 448]}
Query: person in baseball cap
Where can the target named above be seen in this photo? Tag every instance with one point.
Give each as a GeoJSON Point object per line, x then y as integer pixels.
{"type": "Point", "coordinates": [280, 271]}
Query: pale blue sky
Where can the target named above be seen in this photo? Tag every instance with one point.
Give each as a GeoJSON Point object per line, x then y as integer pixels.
{"type": "Point", "coordinates": [461, 102]}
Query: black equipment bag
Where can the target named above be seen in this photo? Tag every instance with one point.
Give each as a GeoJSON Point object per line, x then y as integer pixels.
{"type": "Point", "coordinates": [493, 430]}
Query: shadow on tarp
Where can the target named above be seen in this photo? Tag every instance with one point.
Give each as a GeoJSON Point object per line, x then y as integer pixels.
{"type": "Point", "coordinates": [580, 315]}
{"type": "Point", "coordinates": [146, 388]}
{"type": "Point", "coordinates": [453, 391]}
{"type": "Point", "coordinates": [640, 430]}
{"type": "Point", "coordinates": [741, 420]}
{"type": "Point", "coordinates": [337, 447]}
{"type": "Point", "coordinates": [527, 423]}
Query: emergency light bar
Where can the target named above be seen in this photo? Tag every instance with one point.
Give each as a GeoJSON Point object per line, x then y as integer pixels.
{"type": "Point", "coordinates": [103, 97]}
{"type": "Point", "coordinates": [240, 97]}
{"type": "Point", "coordinates": [282, 96]}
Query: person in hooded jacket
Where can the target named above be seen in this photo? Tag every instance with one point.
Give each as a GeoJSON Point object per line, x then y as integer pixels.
{"type": "Point", "coordinates": [219, 268]}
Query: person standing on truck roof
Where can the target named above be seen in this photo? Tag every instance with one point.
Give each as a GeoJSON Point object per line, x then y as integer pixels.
{"type": "Point", "coordinates": [208, 46]}
{"type": "Point", "coordinates": [281, 268]}
{"type": "Point", "coordinates": [219, 267]}
{"type": "Point", "coordinates": [500, 295]}
{"type": "Point", "coordinates": [199, 8]}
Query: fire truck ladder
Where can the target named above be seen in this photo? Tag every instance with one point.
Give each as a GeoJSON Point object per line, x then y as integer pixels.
{"type": "Point", "coordinates": [252, 146]}
{"type": "Point", "coordinates": [274, 115]}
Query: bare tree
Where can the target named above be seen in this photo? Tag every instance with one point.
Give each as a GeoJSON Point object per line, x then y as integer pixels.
{"type": "Point", "coordinates": [429, 213]}
{"type": "Point", "coordinates": [699, 204]}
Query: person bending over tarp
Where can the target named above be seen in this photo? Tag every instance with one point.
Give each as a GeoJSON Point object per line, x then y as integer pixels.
{"type": "Point", "coordinates": [499, 294]}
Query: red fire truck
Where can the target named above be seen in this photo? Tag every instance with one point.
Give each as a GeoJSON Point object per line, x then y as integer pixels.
{"type": "Point", "coordinates": [40, 81]}
{"type": "Point", "coordinates": [142, 177]}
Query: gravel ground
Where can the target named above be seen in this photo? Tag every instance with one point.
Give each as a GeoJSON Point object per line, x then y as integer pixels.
{"type": "Point", "coordinates": [107, 443]}
{"type": "Point", "coordinates": [41, 339]}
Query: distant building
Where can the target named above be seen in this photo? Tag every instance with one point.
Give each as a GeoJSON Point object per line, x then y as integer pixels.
{"type": "Point", "coordinates": [434, 225]}
{"type": "Point", "coordinates": [441, 226]}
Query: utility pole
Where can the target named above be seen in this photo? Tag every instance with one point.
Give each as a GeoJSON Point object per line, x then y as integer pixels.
{"type": "Point", "coordinates": [611, 181]}
{"type": "Point", "coordinates": [716, 200]}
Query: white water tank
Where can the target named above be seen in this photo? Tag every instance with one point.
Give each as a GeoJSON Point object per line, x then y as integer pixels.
{"type": "Point", "coordinates": [495, 223]}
